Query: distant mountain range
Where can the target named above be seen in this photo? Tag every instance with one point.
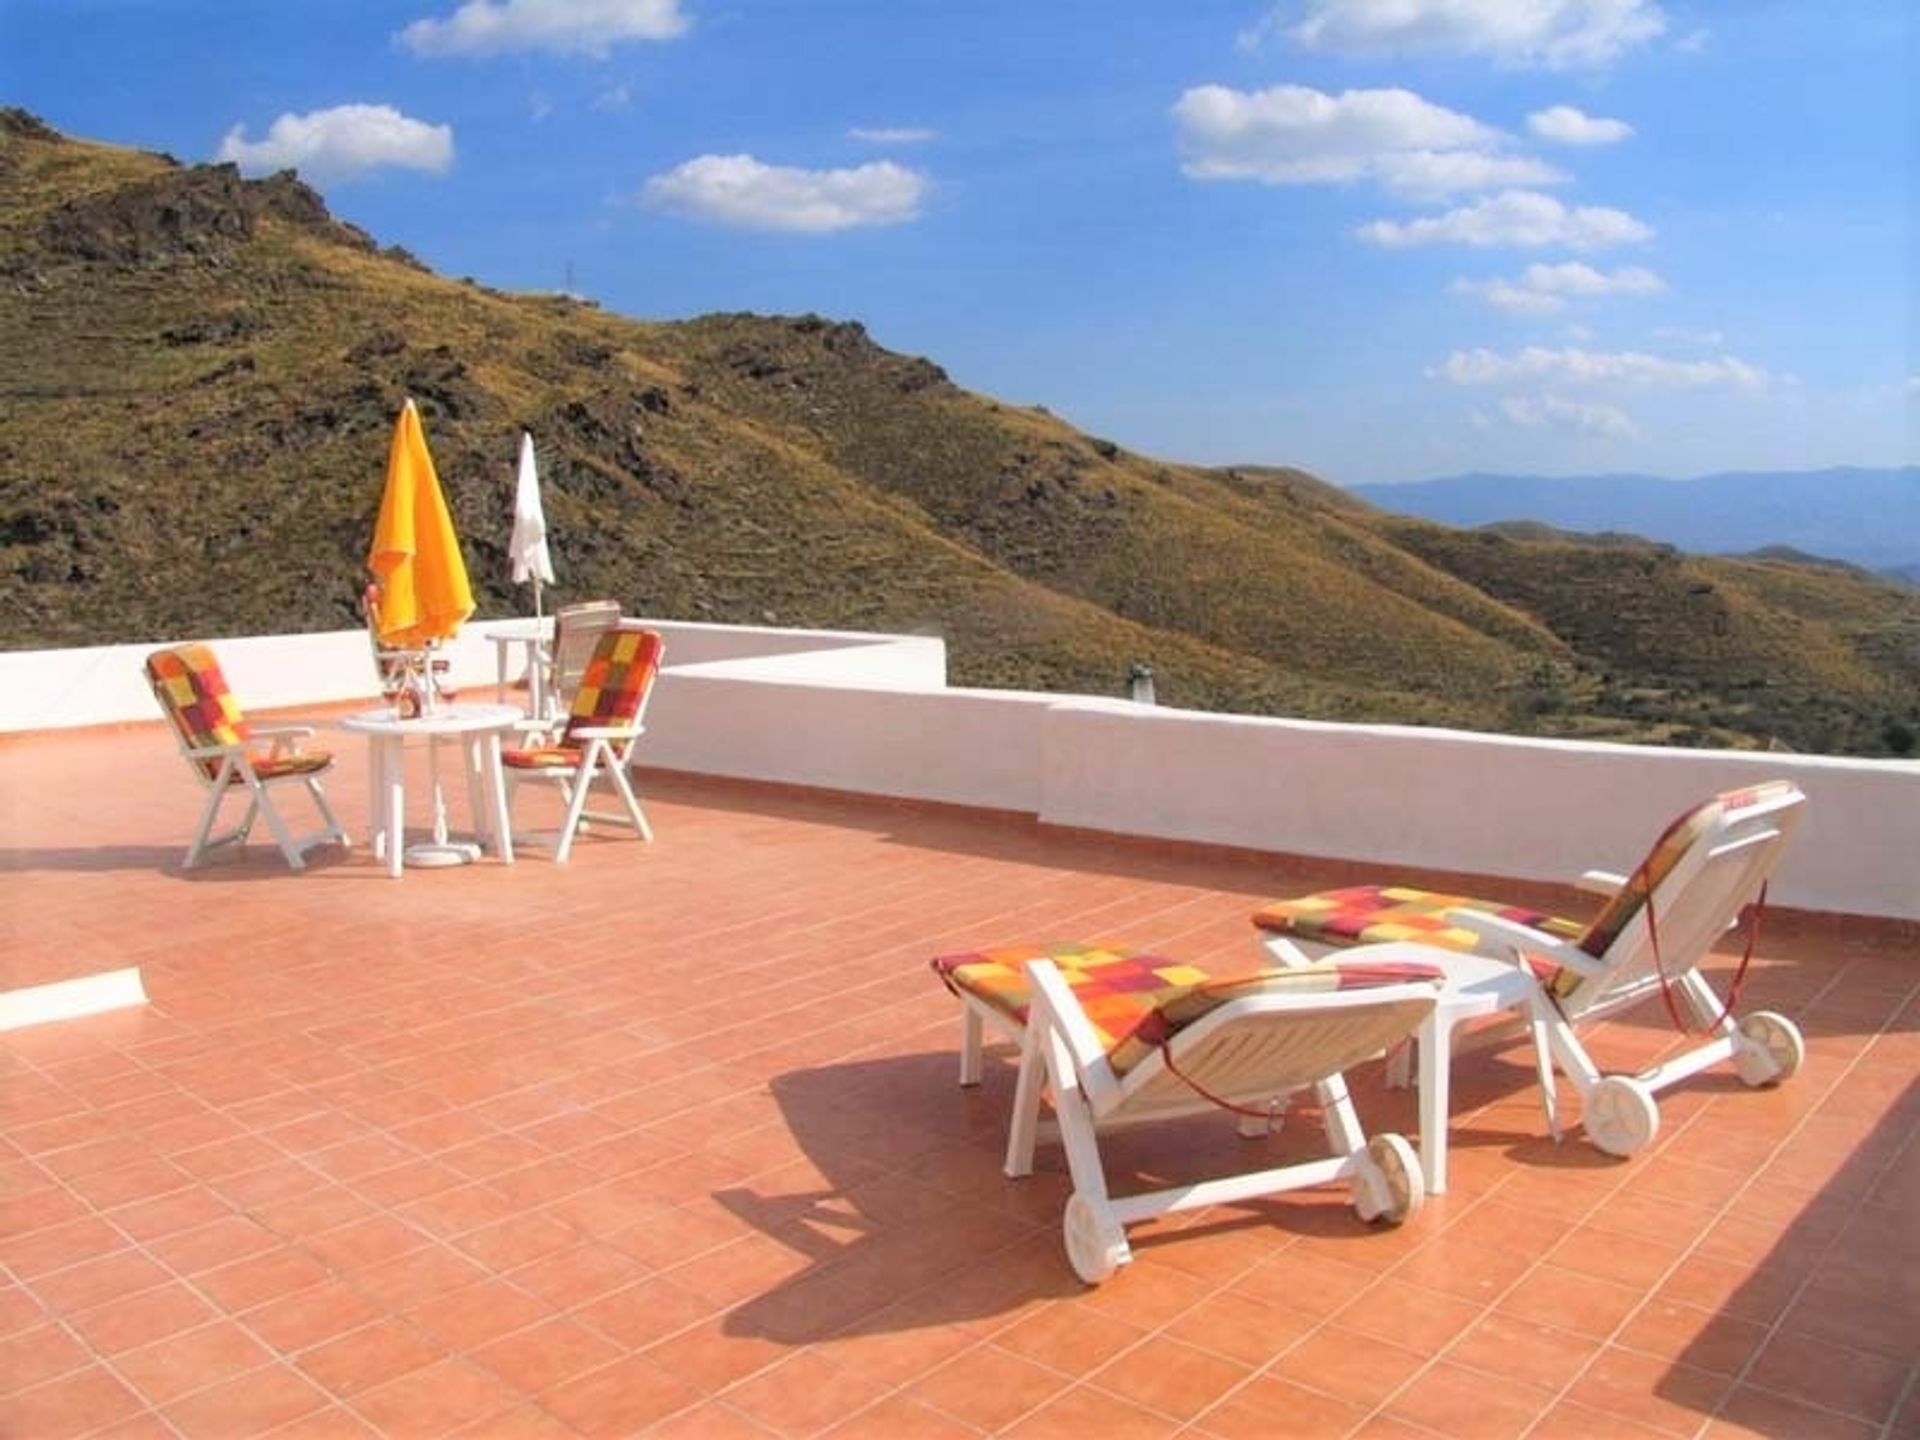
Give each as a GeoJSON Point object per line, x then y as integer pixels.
{"type": "Point", "coordinates": [1869, 518]}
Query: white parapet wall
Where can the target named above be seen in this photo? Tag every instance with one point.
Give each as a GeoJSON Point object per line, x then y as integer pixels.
{"type": "Point", "coordinates": [872, 714]}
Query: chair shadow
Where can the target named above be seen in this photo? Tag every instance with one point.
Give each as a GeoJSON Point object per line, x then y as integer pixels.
{"type": "Point", "coordinates": [1840, 1280]}
{"type": "Point", "coordinates": [261, 860]}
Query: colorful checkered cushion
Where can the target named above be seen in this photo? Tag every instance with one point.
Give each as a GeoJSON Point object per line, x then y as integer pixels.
{"type": "Point", "coordinates": [1369, 914]}
{"type": "Point", "coordinates": [612, 691]}
{"type": "Point", "coordinates": [1136, 1001]}
{"type": "Point", "coordinates": [1678, 838]}
{"type": "Point", "coordinates": [1363, 914]}
{"type": "Point", "coordinates": [193, 692]}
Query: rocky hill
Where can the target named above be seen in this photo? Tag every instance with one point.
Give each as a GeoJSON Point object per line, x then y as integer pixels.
{"type": "Point", "coordinates": [204, 372]}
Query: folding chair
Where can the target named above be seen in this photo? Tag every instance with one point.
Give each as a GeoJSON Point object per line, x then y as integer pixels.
{"type": "Point", "coordinates": [1115, 1038]}
{"type": "Point", "coordinates": [218, 743]}
{"type": "Point", "coordinates": [596, 740]}
{"type": "Point", "coordinates": [577, 628]}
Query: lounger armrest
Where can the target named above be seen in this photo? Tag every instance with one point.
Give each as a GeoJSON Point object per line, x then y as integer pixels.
{"type": "Point", "coordinates": [609, 732]}
{"type": "Point", "coordinates": [286, 738]}
{"type": "Point", "coordinates": [216, 752]}
{"type": "Point", "coordinates": [1503, 939]}
{"type": "Point", "coordinates": [1056, 1001]}
{"type": "Point", "coordinates": [1601, 882]}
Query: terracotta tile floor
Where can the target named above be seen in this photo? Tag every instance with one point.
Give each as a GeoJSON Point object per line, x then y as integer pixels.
{"type": "Point", "coordinates": [668, 1140]}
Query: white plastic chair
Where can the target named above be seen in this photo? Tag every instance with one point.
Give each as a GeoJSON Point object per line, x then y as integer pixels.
{"type": "Point", "coordinates": [1237, 1043]}
{"type": "Point", "coordinates": [595, 742]}
{"type": "Point", "coordinates": [221, 749]}
{"type": "Point", "coordinates": [1659, 924]}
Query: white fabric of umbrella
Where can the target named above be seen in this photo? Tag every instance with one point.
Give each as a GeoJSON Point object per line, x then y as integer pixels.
{"type": "Point", "coordinates": [527, 546]}
{"type": "Point", "coordinates": [527, 550]}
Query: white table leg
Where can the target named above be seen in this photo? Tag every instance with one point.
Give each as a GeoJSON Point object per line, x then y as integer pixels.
{"type": "Point", "coordinates": [1436, 1070]}
{"type": "Point", "coordinates": [500, 649]}
{"type": "Point", "coordinates": [497, 787]}
{"type": "Point", "coordinates": [377, 797]}
{"type": "Point", "coordinates": [537, 679]}
{"type": "Point", "coordinates": [394, 803]}
{"type": "Point", "coordinates": [474, 753]}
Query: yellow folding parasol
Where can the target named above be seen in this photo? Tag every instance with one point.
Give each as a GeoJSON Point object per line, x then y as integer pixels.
{"type": "Point", "coordinates": [424, 594]}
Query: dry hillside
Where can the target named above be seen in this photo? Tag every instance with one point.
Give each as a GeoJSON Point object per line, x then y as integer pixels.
{"type": "Point", "coordinates": [203, 373]}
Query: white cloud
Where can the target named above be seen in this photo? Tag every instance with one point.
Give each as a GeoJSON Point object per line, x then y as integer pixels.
{"type": "Point", "coordinates": [1564, 125]}
{"type": "Point", "coordinates": [1513, 217]}
{"type": "Point", "coordinates": [1549, 34]}
{"type": "Point", "coordinates": [741, 191]}
{"type": "Point", "coordinates": [1536, 412]}
{"type": "Point", "coordinates": [1296, 135]}
{"type": "Point", "coordinates": [568, 27]}
{"type": "Point", "coordinates": [614, 97]}
{"type": "Point", "coordinates": [1572, 366]}
{"type": "Point", "coordinates": [1704, 339]}
{"type": "Point", "coordinates": [1545, 289]}
{"type": "Point", "coordinates": [891, 134]}
{"type": "Point", "coordinates": [341, 143]}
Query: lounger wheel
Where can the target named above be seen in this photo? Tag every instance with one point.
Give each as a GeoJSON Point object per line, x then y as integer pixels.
{"type": "Point", "coordinates": [1772, 1050]}
{"type": "Point", "coordinates": [1389, 1184]}
{"type": "Point", "coordinates": [1621, 1116]}
{"type": "Point", "coordinates": [1095, 1244]}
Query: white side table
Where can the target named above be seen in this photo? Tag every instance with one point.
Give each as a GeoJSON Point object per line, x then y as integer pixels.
{"type": "Point", "coordinates": [478, 728]}
{"type": "Point", "coordinates": [535, 636]}
{"type": "Point", "coordinates": [1475, 987]}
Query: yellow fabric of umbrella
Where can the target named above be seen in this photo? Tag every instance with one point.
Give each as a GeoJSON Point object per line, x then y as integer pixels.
{"type": "Point", "coordinates": [424, 593]}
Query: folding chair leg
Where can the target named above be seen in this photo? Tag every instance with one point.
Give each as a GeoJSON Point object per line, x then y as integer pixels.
{"type": "Point", "coordinates": [618, 774]}
{"type": "Point", "coordinates": [971, 1041]}
{"type": "Point", "coordinates": [282, 836]}
{"type": "Point", "coordinates": [1543, 1067]}
{"type": "Point", "coordinates": [1024, 1131]}
{"type": "Point", "coordinates": [203, 840]}
{"type": "Point", "coordinates": [577, 802]}
{"type": "Point", "coordinates": [1344, 1135]}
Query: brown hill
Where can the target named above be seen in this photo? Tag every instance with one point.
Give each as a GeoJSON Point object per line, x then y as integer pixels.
{"type": "Point", "coordinates": [206, 369]}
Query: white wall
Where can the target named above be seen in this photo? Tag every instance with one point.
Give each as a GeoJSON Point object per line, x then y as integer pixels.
{"type": "Point", "coordinates": [872, 714]}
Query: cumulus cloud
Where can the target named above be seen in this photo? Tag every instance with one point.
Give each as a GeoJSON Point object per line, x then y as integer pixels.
{"type": "Point", "coordinates": [567, 27]}
{"type": "Point", "coordinates": [1704, 339]}
{"type": "Point", "coordinates": [1586, 417]}
{"type": "Point", "coordinates": [1540, 34]}
{"type": "Point", "coordinates": [1522, 218]}
{"type": "Point", "coordinates": [1296, 135]}
{"type": "Point", "coordinates": [1545, 289]}
{"type": "Point", "coordinates": [1539, 365]}
{"type": "Point", "coordinates": [1565, 125]}
{"type": "Point", "coordinates": [341, 143]}
{"type": "Point", "coordinates": [739, 190]}
{"type": "Point", "coordinates": [891, 134]}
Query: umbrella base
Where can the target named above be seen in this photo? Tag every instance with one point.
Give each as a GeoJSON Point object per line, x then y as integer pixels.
{"type": "Point", "coordinates": [438, 854]}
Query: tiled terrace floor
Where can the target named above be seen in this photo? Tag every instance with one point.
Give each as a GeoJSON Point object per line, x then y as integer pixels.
{"type": "Point", "coordinates": [668, 1141]}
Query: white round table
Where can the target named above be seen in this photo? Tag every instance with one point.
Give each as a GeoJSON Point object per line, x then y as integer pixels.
{"type": "Point", "coordinates": [478, 728]}
{"type": "Point", "coordinates": [535, 636]}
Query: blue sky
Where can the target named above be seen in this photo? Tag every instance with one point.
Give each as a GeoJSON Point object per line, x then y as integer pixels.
{"type": "Point", "coordinates": [1379, 239]}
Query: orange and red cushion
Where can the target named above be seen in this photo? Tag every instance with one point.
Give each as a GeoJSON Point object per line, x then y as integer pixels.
{"type": "Point", "coordinates": [305, 762]}
{"type": "Point", "coordinates": [612, 689]}
{"type": "Point", "coordinates": [615, 683]}
{"type": "Point", "coordinates": [1363, 914]}
{"type": "Point", "coordinates": [193, 691]}
{"type": "Point", "coordinates": [1135, 1001]}
{"type": "Point", "coordinates": [1371, 914]}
